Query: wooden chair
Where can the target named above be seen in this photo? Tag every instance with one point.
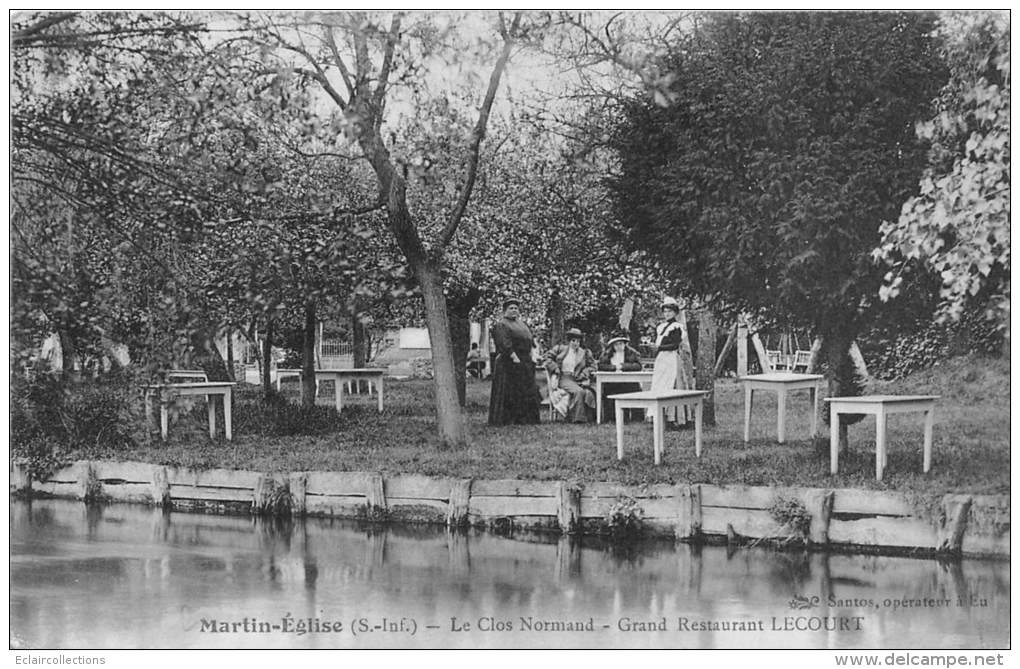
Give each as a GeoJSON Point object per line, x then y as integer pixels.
{"type": "Point", "coordinates": [547, 400]}
{"type": "Point", "coordinates": [777, 361]}
{"type": "Point", "coordinates": [801, 361]}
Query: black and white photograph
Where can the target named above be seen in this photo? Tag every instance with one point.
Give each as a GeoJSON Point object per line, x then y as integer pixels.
{"type": "Point", "coordinates": [519, 329]}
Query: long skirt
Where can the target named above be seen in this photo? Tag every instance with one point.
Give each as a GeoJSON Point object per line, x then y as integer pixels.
{"type": "Point", "coordinates": [669, 374]}
{"type": "Point", "coordinates": [514, 398]}
{"type": "Point", "coordinates": [582, 400]}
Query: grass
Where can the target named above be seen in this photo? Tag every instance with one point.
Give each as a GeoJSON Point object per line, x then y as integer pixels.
{"type": "Point", "coordinates": [971, 444]}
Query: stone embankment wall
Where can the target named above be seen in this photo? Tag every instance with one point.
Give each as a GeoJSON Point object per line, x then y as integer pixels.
{"type": "Point", "coordinates": [844, 519]}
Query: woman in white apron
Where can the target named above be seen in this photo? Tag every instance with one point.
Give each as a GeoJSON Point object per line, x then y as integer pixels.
{"type": "Point", "coordinates": [670, 372]}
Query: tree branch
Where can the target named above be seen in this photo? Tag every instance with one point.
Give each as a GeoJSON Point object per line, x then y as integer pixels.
{"type": "Point", "coordinates": [478, 135]}
{"type": "Point", "coordinates": [345, 74]}
{"type": "Point", "coordinates": [387, 65]}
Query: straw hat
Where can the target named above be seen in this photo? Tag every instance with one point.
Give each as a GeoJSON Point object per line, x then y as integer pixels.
{"type": "Point", "coordinates": [574, 333]}
{"type": "Point", "coordinates": [618, 337]}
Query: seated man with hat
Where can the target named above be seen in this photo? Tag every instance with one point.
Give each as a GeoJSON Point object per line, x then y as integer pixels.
{"type": "Point", "coordinates": [572, 366]}
{"type": "Point", "coordinates": [619, 357]}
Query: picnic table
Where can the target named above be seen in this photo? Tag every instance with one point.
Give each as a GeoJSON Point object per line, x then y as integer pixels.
{"type": "Point", "coordinates": [880, 406]}
{"type": "Point", "coordinates": [166, 392]}
{"type": "Point", "coordinates": [643, 377]}
{"type": "Point", "coordinates": [656, 402]}
{"type": "Point", "coordinates": [782, 383]}
{"type": "Point", "coordinates": [373, 375]}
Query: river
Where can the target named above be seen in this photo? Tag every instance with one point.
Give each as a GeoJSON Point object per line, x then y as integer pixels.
{"type": "Point", "coordinates": [124, 576]}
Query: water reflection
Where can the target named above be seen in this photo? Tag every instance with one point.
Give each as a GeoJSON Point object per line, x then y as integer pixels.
{"type": "Point", "coordinates": [126, 576]}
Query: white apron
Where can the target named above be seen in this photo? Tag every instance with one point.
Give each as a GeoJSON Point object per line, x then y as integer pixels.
{"type": "Point", "coordinates": [667, 371]}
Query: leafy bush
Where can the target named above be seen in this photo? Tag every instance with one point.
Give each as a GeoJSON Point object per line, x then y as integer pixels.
{"type": "Point", "coordinates": [923, 344]}
{"type": "Point", "coordinates": [625, 520]}
{"type": "Point", "coordinates": [50, 417]}
{"type": "Point", "coordinates": [421, 368]}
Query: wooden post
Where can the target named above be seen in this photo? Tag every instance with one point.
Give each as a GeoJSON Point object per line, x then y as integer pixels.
{"type": "Point", "coordinates": [689, 511]}
{"type": "Point", "coordinates": [262, 493]}
{"type": "Point", "coordinates": [89, 487]}
{"type": "Point", "coordinates": [956, 509]}
{"type": "Point", "coordinates": [569, 509]}
{"type": "Point", "coordinates": [298, 484]}
{"type": "Point", "coordinates": [763, 356]}
{"type": "Point", "coordinates": [730, 338]}
{"type": "Point", "coordinates": [457, 506]}
{"type": "Point", "coordinates": [21, 480]}
{"type": "Point", "coordinates": [375, 497]}
{"type": "Point", "coordinates": [741, 349]}
{"type": "Point", "coordinates": [819, 503]}
{"type": "Point", "coordinates": [161, 487]}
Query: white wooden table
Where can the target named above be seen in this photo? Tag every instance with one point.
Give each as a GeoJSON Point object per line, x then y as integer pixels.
{"type": "Point", "coordinates": [166, 392]}
{"type": "Point", "coordinates": [880, 406]}
{"type": "Point", "coordinates": [656, 402]}
{"type": "Point", "coordinates": [601, 378]}
{"type": "Point", "coordinates": [373, 375]}
{"type": "Point", "coordinates": [782, 383]}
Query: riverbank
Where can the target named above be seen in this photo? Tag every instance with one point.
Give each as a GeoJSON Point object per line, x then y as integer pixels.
{"type": "Point", "coordinates": [970, 454]}
{"type": "Point", "coordinates": [826, 519]}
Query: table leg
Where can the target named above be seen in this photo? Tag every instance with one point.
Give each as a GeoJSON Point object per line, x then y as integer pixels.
{"type": "Point", "coordinates": [619, 430]}
{"type": "Point", "coordinates": [379, 391]}
{"type": "Point", "coordinates": [279, 380]}
{"type": "Point", "coordinates": [339, 396]}
{"type": "Point", "coordinates": [698, 412]}
{"type": "Point", "coordinates": [227, 410]}
{"type": "Point", "coordinates": [880, 423]}
{"type": "Point", "coordinates": [814, 412]}
{"type": "Point", "coordinates": [781, 415]}
{"type": "Point", "coordinates": [598, 401]}
{"type": "Point", "coordinates": [748, 399]}
{"type": "Point", "coordinates": [210, 401]}
{"type": "Point", "coordinates": [657, 432]}
{"type": "Point", "coordinates": [833, 440]}
{"type": "Point", "coordinates": [164, 419]}
{"type": "Point", "coordinates": [929, 424]}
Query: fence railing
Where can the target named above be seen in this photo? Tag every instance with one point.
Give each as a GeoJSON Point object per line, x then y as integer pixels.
{"type": "Point", "coordinates": [334, 348]}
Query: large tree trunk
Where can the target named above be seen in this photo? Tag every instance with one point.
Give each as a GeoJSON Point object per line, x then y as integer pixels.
{"type": "Point", "coordinates": [230, 355]}
{"type": "Point", "coordinates": [267, 358]}
{"type": "Point", "coordinates": [67, 354]}
{"type": "Point", "coordinates": [308, 356]}
{"type": "Point", "coordinates": [704, 368]}
{"type": "Point", "coordinates": [449, 418]}
{"type": "Point", "coordinates": [839, 374]}
{"type": "Point", "coordinates": [459, 308]}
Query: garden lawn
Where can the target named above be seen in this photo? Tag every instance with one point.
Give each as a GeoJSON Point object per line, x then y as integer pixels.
{"type": "Point", "coordinates": [971, 440]}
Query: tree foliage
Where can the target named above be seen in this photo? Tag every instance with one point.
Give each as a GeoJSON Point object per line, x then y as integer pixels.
{"type": "Point", "coordinates": [790, 140]}
{"type": "Point", "coordinates": [957, 226]}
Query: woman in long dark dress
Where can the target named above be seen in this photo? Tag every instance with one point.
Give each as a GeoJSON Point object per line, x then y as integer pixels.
{"type": "Point", "coordinates": [515, 397]}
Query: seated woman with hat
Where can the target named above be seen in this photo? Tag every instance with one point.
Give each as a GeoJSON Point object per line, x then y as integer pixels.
{"type": "Point", "coordinates": [619, 357]}
{"type": "Point", "coordinates": [573, 365]}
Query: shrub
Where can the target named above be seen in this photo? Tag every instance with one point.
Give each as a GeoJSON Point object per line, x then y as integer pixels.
{"type": "Point", "coordinates": [625, 519]}
{"type": "Point", "coordinates": [895, 353]}
{"type": "Point", "coordinates": [50, 417]}
{"type": "Point", "coordinates": [421, 368]}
